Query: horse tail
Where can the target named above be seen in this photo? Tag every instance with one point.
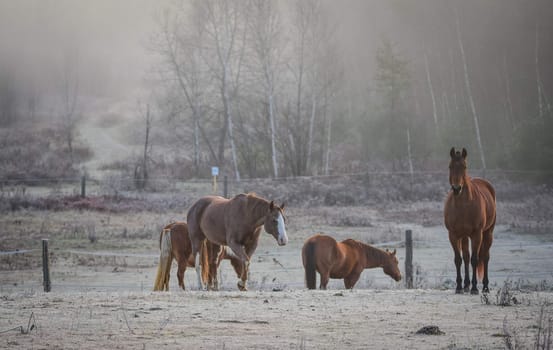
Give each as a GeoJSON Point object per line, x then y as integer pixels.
{"type": "Point", "coordinates": [165, 260]}
{"type": "Point", "coordinates": [309, 265]}
{"type": "Point", "coordinates": [204, 262]}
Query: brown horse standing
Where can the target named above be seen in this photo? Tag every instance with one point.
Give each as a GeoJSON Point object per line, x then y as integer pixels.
{"type": "Point", "coordinates": [234, 222]}
{"type": "Point", "coordinates": [469, 213]}
{"type": "Point", "coordinates": [346, 259]}
{"type": "Point", "coordinates": [174, 243]}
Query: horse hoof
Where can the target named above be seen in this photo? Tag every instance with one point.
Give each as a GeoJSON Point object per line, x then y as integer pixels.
{"type": "Point", "coordinates": [242, 286]}
{"type": "Point", "coordinates": [458, 291]}
{"type": "Point", "coordinates": [466, 290]}
{"type": "Point", "coordinates": [485, 290]}
{"type": "Point", "coordinates": [474, 291]}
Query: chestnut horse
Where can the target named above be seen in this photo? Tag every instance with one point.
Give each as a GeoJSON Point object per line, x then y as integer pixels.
{"type": "Point", "coordinates": [216, 254]}
{"type": "Point", "coordinates": [174, 243]}
{"type": "Point", "coordinates": [345, 259]}
{"type": "Point", "coordinates": [234, 223]}
{"type": "Point", "coordinates": [469, 213]}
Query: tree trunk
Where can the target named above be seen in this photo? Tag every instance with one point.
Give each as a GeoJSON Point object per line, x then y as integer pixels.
{"type": "Point", "coordinates": [469, 93]}
{"type": "Point", "coordinates": [434, 111]}
{"type": "Point", "coordinates": [409, 156]}
{"type": "Point", "coordinates": [273, 133]}
{"type": "Point", "coordinates": [328, 138]}
{"type": "Point", "coordinates": [227, 106]}
{"type": "Point", "coordinates": [538, 78]}
{"type": "Point", "coordinates": [310, 135]}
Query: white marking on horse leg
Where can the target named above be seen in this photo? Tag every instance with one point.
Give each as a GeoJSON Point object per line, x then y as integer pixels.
{"type": "Point", "coordinates": [282, 237]}
{"type": "Point", "coordinates": [230, 252]}
{"type": "Point", "coordinates": [198, 272]}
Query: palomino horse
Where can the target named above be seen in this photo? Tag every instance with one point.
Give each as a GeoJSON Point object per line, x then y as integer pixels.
{"type": "Point", "coordinates": [469, 213]}
{"type": "Point", "coordinates": [174, 243]}
{"type": "Point", "coordinates": [346, 259]}
{"type": "Point", "coordinates": [234, 222]}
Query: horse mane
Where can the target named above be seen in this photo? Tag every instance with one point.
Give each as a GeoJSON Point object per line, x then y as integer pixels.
{"type": "Point", "coordinates": [367, 249]}
{"type": "Point", "coordinates": [257, 205]}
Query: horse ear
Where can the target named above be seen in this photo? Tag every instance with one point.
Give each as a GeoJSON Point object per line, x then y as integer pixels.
{"type": "Point", "coordinates": [394, 252]}
{"type": "Point", "coordinates": [464, 154]}
{"type": "Point", "coordinates": [452, 152]}
{"type": "Point", "coordinates": [282, 206]}
{"type": "Point", "coordinates": [387, 251]}
{"type": "Point", "coordinates": [271, 205]}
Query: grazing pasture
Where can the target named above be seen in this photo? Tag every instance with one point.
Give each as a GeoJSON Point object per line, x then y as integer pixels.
{"type": "Point", "coordinates": [103, 267]}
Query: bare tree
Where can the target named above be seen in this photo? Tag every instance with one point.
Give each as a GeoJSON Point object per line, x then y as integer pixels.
{"type": "Point", "coordinates": [266, 30]}
{"type": "Point", "coordinates": [180, 44]}
{"type": "Point", "coordinates": [469, 91]}
{"type": "Point", "coordinates": [70, 94]}
{"type": "Point", "coordinates": [431, 89]}
{"type": "Point", "coordinates": [223, 28]}
{"type": "Point", "coordinates": [141, 169]}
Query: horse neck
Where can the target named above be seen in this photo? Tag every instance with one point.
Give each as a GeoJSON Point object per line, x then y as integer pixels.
{"type": "Point", "coordinates": [470, 187]}
{"type": "Point", "coordinates": [258, 208]}
{"type": "Point", "coordinates": [374, 257]}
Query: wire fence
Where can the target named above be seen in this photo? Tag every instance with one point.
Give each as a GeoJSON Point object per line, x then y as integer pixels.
{"type": "Point", "coordinates": [284, 267]}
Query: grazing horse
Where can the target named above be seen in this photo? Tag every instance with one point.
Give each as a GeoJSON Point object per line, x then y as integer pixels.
{"type": "Point", "coordinates": [346, 259]}
{"type": "Point", "coordinates": [174, 243]}
{"type": "Point", "coordinates": [234, 223]}
{"type": "Point", "coordinates": [469, 213]}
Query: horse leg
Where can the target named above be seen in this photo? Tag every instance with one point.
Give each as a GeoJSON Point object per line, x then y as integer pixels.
{"type": "Point", "coordinates": [243, 282]}
{"type": "Point", "coordinates": [487, 240]}
{"type": "Point", "coordinates": [180, 272]}
{"type": "Point", "coordinates": [475, 241]}
{"type": "Point", "coordinates": [213, 264]}
{"type": "Point", "coordinates": [351, 279]}
{"type": "Point", "coordinates": [196, 243]}
{"type": "Point", "coordinates": [458, 260]}
{"type": "Point", "coordinates": [466, 260]}
{"type": "Point", "coordinates": [325, 276]}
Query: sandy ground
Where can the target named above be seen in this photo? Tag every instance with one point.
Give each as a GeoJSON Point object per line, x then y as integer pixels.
{"type": "Point", "coordinates": [101, 293]}
{"type": "Point", "coordinates": [294, 319]}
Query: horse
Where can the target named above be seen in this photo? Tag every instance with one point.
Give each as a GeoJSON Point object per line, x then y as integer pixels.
{"type": "Point", "coordinates": [234, 223]}
{"type": "Point", "coordinates": [469, 213]}
{"type": "Point", "coordinates": [217, 254]}
{"type": "Point", "coordinates": [174, 243]}
{"type": "Point", "coordinates": [345, 259]}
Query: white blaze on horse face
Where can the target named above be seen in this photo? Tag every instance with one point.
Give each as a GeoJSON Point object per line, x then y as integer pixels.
{"type": "Point", "coordinates": [282, 237]}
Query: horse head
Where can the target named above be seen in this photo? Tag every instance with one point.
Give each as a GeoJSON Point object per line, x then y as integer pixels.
{"type": "Point", "coordinates": [275, 223]}
{"type": "Point", "coordinates": [457, 170]}
{"type": "Point", "coordinates": [391, 265]}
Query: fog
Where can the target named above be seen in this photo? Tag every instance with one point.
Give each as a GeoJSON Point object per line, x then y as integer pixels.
{"type": "Point", "coordinates": [107, 40]}
{"type": "Point", "coordinates": [494, 99]}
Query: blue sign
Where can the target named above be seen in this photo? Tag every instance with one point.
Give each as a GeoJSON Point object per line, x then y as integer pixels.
{"type": "Point", "coordinates": [214, 171]}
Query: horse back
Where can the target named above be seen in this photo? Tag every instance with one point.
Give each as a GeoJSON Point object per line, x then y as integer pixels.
{"type": "Point", "coordinates": [206, 217]}
{"type": "Point", "coordinates": [325, 249]}
{"type": "Point", "coordinates": [180, 241]}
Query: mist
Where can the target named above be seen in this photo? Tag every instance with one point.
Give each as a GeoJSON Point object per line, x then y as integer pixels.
{"type": "Point", "coordinates": [102, 55]}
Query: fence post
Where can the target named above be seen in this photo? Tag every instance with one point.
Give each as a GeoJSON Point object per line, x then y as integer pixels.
{"type": "Point", "coordinates": [83, 186]}
{"type": "Point", "coordinates": [45, 266]}
{"type": "Point", "coordinates": [409, 259]}
{"type": "Point", "coordinates": [225, 187]}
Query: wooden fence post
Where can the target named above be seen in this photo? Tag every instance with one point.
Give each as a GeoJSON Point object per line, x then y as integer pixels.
{"type": "Point", "coordinates": [45, 266]}
{"type": "Point", "coordinates": [409, 259]}
{"type": "Point", "coordinates": [225, 187]}
{"type": "Point", "coordinates": [83, 186]}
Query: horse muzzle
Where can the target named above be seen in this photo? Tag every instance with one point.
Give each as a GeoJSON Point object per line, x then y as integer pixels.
{"type": "Point", "coordinates": [457, 189]}
{"type": "Point", "coordinates": [282, 241]}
